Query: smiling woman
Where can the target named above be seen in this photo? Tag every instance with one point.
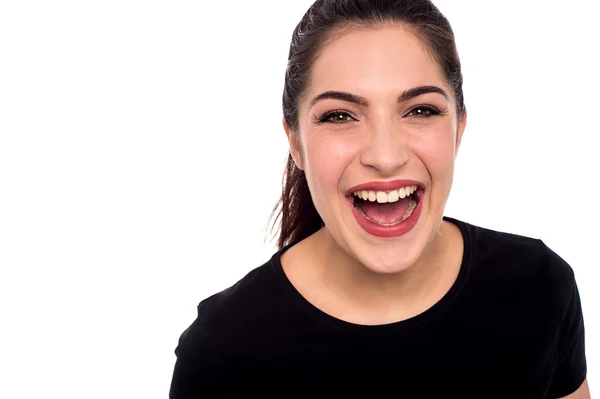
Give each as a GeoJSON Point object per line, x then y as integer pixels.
{"type": "Point", "coordinates": [373, 289]}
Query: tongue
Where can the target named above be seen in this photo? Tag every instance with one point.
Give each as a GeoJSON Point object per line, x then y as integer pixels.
{"type": "Point", "coordinates": [387, 213]}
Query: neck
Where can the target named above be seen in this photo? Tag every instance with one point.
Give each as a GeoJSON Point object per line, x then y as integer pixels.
{"type": "Point", "coordinates": [364, 296]}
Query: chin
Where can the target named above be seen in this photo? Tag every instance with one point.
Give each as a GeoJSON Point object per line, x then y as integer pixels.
{"type": "Point", "coordinates": [386, 260]}
{"type": "Point", "coordinates": [391, 255]}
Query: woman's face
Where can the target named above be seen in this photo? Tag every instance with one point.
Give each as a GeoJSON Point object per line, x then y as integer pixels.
{"type": "Point", "coordinates": [377, 120]}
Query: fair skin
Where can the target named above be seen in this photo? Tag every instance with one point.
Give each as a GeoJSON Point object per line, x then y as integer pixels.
{"type": "Point", "coordinates": [368, 279]}
{"type": "Point", "coordinates": [582, 393]}
{"type": "Point", "coordinates": [340, 143]}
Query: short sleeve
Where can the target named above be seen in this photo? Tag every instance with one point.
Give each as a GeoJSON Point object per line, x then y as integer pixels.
{"type": "Point", "coordinates": [198, 365]}
{"type": "Point", "coordinates": [571, 366]}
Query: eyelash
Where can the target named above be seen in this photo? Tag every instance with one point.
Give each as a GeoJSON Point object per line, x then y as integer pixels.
{"type": "Point", "coordinates": [427, 108]}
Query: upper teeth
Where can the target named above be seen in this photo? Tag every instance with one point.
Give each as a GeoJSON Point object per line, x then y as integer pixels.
{"type": "Point", "coordinates": [383, 196]}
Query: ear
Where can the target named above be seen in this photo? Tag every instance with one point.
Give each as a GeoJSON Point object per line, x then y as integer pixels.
{"type": "Point", "coordinates": [461, 129]}
{"type": "Point", "coordinates": [294, 143]}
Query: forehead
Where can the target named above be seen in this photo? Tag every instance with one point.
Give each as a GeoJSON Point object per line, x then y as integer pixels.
{"type": "Point", "coordinates": [375, 60]}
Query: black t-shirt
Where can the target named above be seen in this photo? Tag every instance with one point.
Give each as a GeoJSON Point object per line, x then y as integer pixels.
{"type": "Point", "coordinates": [511, 326]}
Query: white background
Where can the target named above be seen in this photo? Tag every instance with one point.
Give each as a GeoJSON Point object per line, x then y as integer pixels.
{"type": "Point", "coordinates": [141, 152]}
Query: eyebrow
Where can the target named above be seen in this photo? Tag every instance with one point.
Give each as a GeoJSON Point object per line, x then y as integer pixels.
{"type": "Point", "coordinates": [405, 96]}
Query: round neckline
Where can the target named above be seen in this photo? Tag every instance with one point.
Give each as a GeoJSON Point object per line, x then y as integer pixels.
{"type": "Point", "coordinates": [427, 315]}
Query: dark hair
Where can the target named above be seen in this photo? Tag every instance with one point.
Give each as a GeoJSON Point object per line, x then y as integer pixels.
{"type": "Point", "coordinates": [297, 215]}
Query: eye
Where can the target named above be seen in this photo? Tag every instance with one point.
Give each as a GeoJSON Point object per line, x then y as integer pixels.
{"type": "Point", "coordinates": [423, 111]}
{"type": "Point", "coordinates": [336, 117]}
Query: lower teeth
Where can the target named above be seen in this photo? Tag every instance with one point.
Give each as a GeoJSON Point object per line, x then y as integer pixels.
{"type": "Point", "coordinates": [412, 204]}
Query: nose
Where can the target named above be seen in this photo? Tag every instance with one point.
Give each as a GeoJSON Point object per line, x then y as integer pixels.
{"type": "Point", "coordinates": [384, 149]}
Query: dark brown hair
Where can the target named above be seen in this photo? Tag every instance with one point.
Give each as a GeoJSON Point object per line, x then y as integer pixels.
{"type": "Point", "coordinates": [295, 211]}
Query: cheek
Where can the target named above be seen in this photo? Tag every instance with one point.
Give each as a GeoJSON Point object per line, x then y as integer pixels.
{"type": "Point", "coordinates": [327, 157]}
{"type": "Point", "coordinates": [437, 152]}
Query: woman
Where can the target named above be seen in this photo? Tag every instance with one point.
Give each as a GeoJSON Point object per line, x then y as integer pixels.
{"type": "Point", "coordinates": [374, 291]}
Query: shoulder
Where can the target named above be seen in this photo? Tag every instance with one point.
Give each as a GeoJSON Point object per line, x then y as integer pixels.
{"type": "Point", "coordinates": [516, 261]}
{"type": "Point", "coordinates": [227, 310]}
{"type": "Point", "coordinates": [226, 318]}
{"type": "Point", "coordinates": [204, 348]}
{"type": "Point", "coordinates": [530, 291]}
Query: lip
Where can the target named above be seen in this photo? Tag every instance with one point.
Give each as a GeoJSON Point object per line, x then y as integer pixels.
{"type": "Point", "coordinates": [380, 231]}
{"type": "Point", "coordinates": [385, 186]}
{"type": "Point", "coordinates": [377, 230]}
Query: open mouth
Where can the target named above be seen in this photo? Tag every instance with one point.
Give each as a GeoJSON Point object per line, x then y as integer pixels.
{"type": "Point", "coordinates": [387, 208]}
